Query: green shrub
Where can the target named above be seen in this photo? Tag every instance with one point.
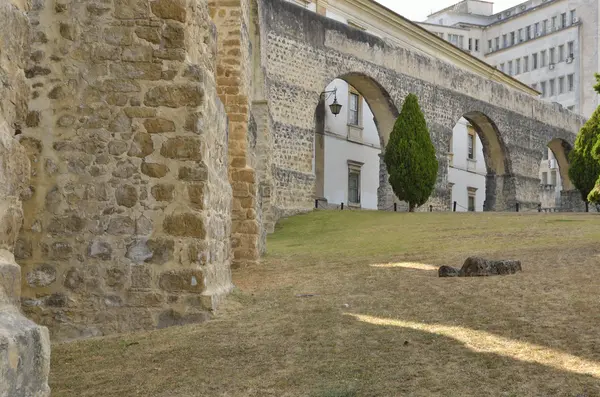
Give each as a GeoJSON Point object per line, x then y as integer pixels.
{"type": "Point", "coordinates": [584, 168]}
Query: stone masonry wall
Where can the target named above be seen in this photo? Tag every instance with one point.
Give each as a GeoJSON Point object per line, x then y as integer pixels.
{"type": "Point", "coordinates": [303, 52]}
{"type": "Point", "coordinates": [24, 346]}
{"type": "Point", "coordinates": [234, 83]}
{"type": "Point", "coordinates": [127, 221]}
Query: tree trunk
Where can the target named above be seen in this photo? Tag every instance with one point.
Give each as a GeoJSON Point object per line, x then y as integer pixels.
{"type": "Point", "coordinates": [411, 207]}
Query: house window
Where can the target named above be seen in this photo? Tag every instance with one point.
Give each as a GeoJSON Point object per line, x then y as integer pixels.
{"type": "Point", "coordinates": [504, 41]}
{"type": "Point", "coordinates": [512, 38]}
{"type": "Point", "coordinates": [497, 43]}
{"type": "Point", "coordinates": [553, 23]}
{"type": "Point", "coordinates": [545, 155]}
{"type": "Point", "coordinates": [520, 35]}
{"type": "Point", "coordinates": [545, 26]}
{"type": "Point", "coordinates": [528, 32]}
{"type": "Point", "coordinates": [476, 45]}
{"type": "Point", "coordinates": [354, 182]}
{"type": "Point", "coordinates": [490, 45]}
{"type": "Point", "coordinates": [570, 82]}
{"type": "Point", "coordinates": [525, 64]}
{"type": "Point", "coordinates": [510, 68]}
{"type": "Point", "coordinates": [472, 195]}
{"type": "Point", "coordinates": [561, 53]}
{"type": "Point", "coordinates": [542, 58]}
{"type": "Point", "coordinates": [553, 178]}
{"type": "Point", "coordinates": [572, 16]}
{"type": "Point", "coordinates": [552, 55]}
{"type": "Point", "coordinates": [536, 29]}
{"type": "Point", "coordinates": [563, 20]}
{"type": "Point", "coordinates": [471, 143]}
{"type": "Point", "coordinates": [517, 66]}
{"type": "Point", "coordinates": [353, 108]}
{"type": "Point", "coordinates": [552, 87]}
{"type": "Point", "coordinates": [544, 178]}
{"type": "Point", "coordinates": [470, 44]}
{"type": "Point", "coordinates": [561, 85]}
{"type": "Point", "coordinates": [535, 61]}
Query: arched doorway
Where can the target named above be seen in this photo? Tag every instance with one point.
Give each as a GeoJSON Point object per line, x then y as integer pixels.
{"type": "Point", "coordinates": [477, 164]}
{"type": "Point", "coordinates": [554, 173]}
{"type": "Point", "coordinates": [347, 151]}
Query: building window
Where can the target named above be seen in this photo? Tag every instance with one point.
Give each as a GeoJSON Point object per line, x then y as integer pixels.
{"type": "Point", "coordinates": [470, 44]}
{"type": "Point", "coordinates": [471, 143]}
{"type": "Point", "coordinates": [545, 155]}
{"type": "Point", "coordinates": [561, 53]}
{"type": "Point", "coordinates": [535, 61]}
{"type": "Point", "coordinates": [528, 32]}
{"type": "Point", "coordinates": [542, 58]}
{"type": "Point", "coordinates": [563, 20]}
{"type": "Point", "coordinates": [517, 66]}
{"type": "Point", "coordinates": [476, 45]}
{"type": "Point", "coordinates": [543, 88]}
{"type": "Point", "coordinates": [510, 68]}
{"type": "Point", "coordinates": [520, 35]}
{"type": "Point", "coordinates": [525, 64]}
{"type": "Point", "coordinates": [512, 38]}
{"type": "Point", "coordinates": [502, 67]}
{"type": "Point", "coordinates": [490, 45]}
{"type": "Point", "coordinates": [504, 41]}
{"type": "Point", "coordinates": [353, 108]}
{"type": "Point", "coordinates": [553, 23]}
{"type": "Point", "coordinates": [573, 16]}
{"type": "Point", "coordinates": [552, 56]}
{"type": "Point", "coordinates": [544, 178]}
{"type": "Point", "coordinates": [561, 85]}
{"type": "Point", "coordinates": [552, 87]}
{"type": "Point", "coordinates": [570, 82]}
{"type": "Point", "coordinates": [570, 49]}
{"type": "Point", "coordinates": [545, 26]}
{"type": "Point", "coordinates": [553, 178]}
{"type": "Point", "coordinates": [354, 182]}
{"type": "Point", "coordinates": [536, 29]}
{"type": "Point", "coordinates": [472, 195]}
{"type": "Point", "coordinates": [497, 39]}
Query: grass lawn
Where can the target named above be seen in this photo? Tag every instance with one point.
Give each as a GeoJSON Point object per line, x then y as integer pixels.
{"type": "Point", "coordinates": [349, 304]}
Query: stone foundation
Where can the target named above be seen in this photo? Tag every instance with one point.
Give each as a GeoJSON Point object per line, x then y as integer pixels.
{"type": "Point", "coordinates": [128, 218]}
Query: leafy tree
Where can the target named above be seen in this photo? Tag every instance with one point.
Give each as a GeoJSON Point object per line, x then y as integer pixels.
{"type": "Point", "coordinates": [584, 169]}
{"type": "Point", "coordinates": [410, 156]}
{"type": "Point", "coordinates": [594, 195]}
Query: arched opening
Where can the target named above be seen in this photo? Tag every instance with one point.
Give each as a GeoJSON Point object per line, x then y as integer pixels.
{"type": "Point", "coordinates": [477, 164]}
{"type": "Point", "coordinates": [554, 173]}
{"type": "Point", "coordinates": [347, 149]}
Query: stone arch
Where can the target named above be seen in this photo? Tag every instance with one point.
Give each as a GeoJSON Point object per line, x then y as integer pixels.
{"type": "Point", "coordinates": [561, 148]}
{"type": "Point", "coordinates": [384, 113]}
{"type": "Point", "coordinates": [497, 161]}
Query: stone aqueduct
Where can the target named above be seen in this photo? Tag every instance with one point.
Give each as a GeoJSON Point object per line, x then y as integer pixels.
{"type": "Point", "coordinates": [166, 137]}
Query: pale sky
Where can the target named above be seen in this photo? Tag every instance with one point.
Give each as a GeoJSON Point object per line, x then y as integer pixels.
{"type": "Point", "coordinates": [417, 10]}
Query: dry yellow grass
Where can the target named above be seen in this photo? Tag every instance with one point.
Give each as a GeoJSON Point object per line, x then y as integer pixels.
{"type": "Point", "coordinates": [380, 322]}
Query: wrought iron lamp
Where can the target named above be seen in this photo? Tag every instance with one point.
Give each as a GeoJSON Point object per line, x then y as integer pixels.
{"type": "Point", "coordinates": [335, 107]}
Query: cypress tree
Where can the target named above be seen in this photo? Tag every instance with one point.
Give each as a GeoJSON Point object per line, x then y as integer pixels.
{"type": "Point", "coordinates": [410, 156]}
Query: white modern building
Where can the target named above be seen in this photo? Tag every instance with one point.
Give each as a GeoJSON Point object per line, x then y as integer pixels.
{"type": "Point", "coordinates": [539, 42]}
{"type": "Point", "coordinates": [347, 147]}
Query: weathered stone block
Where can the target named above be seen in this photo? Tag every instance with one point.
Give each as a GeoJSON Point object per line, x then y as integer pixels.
{"type": "Point", "coordinates": [163, 192]}
{"type": "Point", "coordinates": [41, 276]}
{"type": "Point", "coordinates": [196, 195]}
{"type": "Point", "coordinates": [142, 145]}
{"type": "Point", "coordinates": [118, 35]}
{"type": "Point", "coordinates": [119, 86]}
{"type": "Point", "coordinates": [140, 276]}
{"type": "Point", "coordinates": [137, 54]}
{"type": "Point", "coordinates": [187, 280]}
{"type": "Point", "coordinates": [131, 9]}
{"type": "Point", "coordinates": [182, 148]}
{"type": "Point", "coordinates": [196, 173]}
{"type": "Point", "coordinates": [117, 148]}
{"type": "Point", "coordinates": [173, 35]}
{"type": "Point", "coordinates": [58, 250]}
{"type": "Point", "coordinates": [172, 54]}
{"type": "Point", "coordinates": [147, 33]}
{"type": "Point", "coordinates": [158, 125]}
{"type": "Point", "coordinates": [170, 318]}
{"type": "Point", "coordinates": [66, 225]}
{"type": "Point", "coordinates": [154, 170]}
{"type": "Point", "coordinates": [73, 279]}
{"type": "Point", "coordinates": [144, 298]}
{"type": "Point", "coordinates": [100, 250]}
{"type": "Point", "coordinates": [115, 277]}
{"type": "Point", "coordinates": [121, 225]}
{"type": "Point", "coordinates": [174, 96]}
{"type": "Point", "coordinates": [139, 112]}
{"type": "Point", "coordinates": [184, 225]}
{"type": "Point", "coordinates": [169, 9]}
{"type": "Point", "coordinates": [126, 195]}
